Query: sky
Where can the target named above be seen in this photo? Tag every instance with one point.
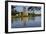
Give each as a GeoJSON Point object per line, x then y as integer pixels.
{"type": "Point", "coordinates": [20, 9]}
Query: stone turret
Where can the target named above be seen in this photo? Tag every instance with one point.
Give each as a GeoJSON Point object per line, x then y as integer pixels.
{"type": "Point", "coordinates": [25, 13]}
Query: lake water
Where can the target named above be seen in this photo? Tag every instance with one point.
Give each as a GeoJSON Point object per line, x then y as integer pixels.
{"type": "Point", "coordinates": [24, 22]}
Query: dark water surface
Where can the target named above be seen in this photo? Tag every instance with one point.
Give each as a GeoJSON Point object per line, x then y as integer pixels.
{"type": "Point", "coordinates": [24, 22]}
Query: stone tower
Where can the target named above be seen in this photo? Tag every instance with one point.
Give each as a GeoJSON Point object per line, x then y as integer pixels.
{"type": "Point", "coordinates": [25, 13]}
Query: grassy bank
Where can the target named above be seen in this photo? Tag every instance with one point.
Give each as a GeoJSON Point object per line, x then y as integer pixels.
{"type": "Point", "coordinates": [31, 15]}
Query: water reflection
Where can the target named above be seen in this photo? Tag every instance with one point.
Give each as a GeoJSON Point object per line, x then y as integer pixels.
{"type": "Point", "coordinates": [26, 22]}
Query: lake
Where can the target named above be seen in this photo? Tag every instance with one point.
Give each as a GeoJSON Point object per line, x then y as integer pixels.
{"type": "Point", "coordinates": [24, 22]}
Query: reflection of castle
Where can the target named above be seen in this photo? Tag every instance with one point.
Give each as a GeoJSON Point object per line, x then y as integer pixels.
{"type": "Point", "coordinates": [24, 20]}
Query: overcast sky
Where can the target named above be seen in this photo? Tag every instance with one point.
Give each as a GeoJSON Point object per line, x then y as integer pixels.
{"type": "Point", "coordinates": [20, 8]}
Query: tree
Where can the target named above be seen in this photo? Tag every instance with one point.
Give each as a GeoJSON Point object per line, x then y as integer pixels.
{"type": "Point", "coordinates": [13, 12]}
{"type": "Point", "coordinates": [32, 9]}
